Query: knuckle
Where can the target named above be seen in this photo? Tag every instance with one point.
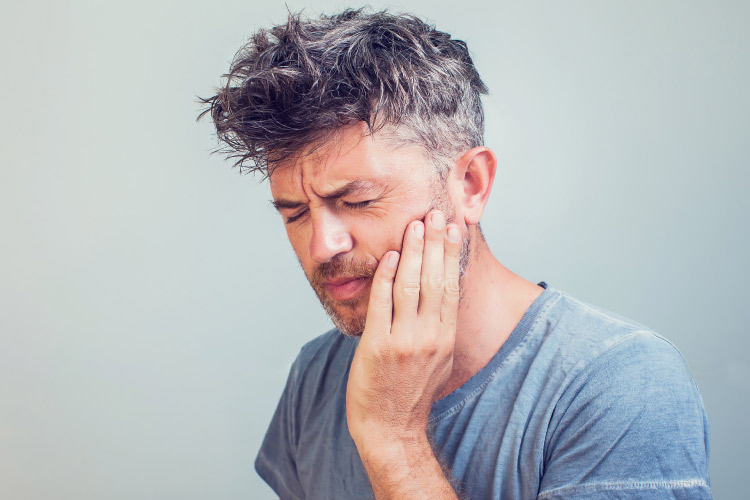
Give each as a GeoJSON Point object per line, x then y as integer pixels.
{"type": "Point", "coordinates": [446, 348]}
{"type": "Point", "coordinates": [452, 286]}
{"type": "Point", "coordinates": [383, 302]}
{"type": "Point", "coordinates": [434, 281]}
{"type": "Point", "coordinates": [410, 288]}
{"type": "Point", "coordinates": [405, 351]}
{"type": "Point", "coordinates": [384, 279]}
{"type": "Point", "coordinates": [431, 347]}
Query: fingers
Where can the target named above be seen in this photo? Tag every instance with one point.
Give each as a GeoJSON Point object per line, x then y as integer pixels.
{"type": "Point", "coordinates": [449, 303]}
{"type": "Point", "coordinates": [433, 269]}
{"type": "Point", "coordinates": [380, 306]}
{"type": "Point", "coordinates": [407, 284]}
{"type": "Point", "coordinates": [426, 282]}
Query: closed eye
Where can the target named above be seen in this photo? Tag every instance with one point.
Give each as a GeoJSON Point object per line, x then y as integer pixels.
{"type": "Point", "coordinates": [345, 204]}
{"type": "Point", "coordinates": [358, 204]}
{"type": "Point", "coordinates": [294, 218]}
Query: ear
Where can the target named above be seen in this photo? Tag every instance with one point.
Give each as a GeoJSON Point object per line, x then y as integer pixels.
{"type": "Point", "coordinates": [472, 176]}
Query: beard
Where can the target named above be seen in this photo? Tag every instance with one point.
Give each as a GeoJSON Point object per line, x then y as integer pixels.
{"type": "Point", "coordinates": [349, 316]}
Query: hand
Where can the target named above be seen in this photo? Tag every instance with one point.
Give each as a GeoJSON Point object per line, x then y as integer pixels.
{"type": "Point", "coordinates": [405, 355]}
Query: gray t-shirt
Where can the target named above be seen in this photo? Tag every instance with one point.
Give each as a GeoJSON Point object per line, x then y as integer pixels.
{"type": "Point", "coordinates": [578, 403]}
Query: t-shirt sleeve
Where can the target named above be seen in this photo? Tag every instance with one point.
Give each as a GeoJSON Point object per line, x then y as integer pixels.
{"type": "Point", "coordinates": [630, 425]}
{"type": "Point", "coordinates": [275, 462]}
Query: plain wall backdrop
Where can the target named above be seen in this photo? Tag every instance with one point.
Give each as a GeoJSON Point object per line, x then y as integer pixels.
{"type": "Point", "coordinates": [150, 304]}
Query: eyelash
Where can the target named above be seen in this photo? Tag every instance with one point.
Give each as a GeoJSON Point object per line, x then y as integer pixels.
{"type": "Point", "coordinates": [294, 218]}
{"type": "Point", "coordinates": [353, 206]}
{"type": "Point", "coordinates": [359, 204]}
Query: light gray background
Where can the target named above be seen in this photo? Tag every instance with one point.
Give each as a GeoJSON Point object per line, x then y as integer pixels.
{"type": "Point", "coordinates": [150, 305]}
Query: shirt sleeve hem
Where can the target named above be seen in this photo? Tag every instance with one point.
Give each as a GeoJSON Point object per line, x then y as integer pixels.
{"type": "Point", "coordinates": [273, 480]}
{"type": "Point", "coordinates": [624, 486]}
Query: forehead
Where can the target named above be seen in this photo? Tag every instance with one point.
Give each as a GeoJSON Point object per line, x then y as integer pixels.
{"type": "Point", "coordinates": [351, 154]}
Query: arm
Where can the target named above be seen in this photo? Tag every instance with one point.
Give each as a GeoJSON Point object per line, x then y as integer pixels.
{"type": "Point", "coordinates": [404, 360]}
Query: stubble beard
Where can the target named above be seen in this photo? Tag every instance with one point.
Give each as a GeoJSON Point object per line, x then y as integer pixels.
{"type": "Point", "coordinates": [349, 316]}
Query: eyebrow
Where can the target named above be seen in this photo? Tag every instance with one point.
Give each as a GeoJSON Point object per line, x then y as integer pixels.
{"type": "Point", "coordinates": [358, 186]}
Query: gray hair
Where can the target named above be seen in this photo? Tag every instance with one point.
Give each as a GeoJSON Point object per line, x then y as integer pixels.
{"type": "Point", "coordinates": [291, 87]}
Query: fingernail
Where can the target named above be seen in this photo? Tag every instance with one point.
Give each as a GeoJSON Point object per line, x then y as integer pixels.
{"type": "Point", "coordinates": [438, 220]}
{"type": "Point", "coordinates": [453, 234]}
{"type": "Point", "coordinates": [393, 259]}
{"type": "Point", "coordinates": [419, 230]}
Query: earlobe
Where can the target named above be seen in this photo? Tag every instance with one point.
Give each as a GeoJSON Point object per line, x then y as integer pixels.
{"type": "Point", "coordinates": [477, 166]}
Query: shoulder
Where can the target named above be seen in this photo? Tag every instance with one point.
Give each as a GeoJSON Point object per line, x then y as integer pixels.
{"type": "Point", "coordinates": [306, 410]}
{"type": "Point", "coordinates": [577, 337]}
{"type": "Point", "coordinates": [601, 353]}
{"type": "Point", "coordinates": [639, 374]}
{"type": "Point", "coordinates": [585, 327]}
{"type": "Point", "coordinates": [627, 402]}
{"type": "Point", "coordinates": [322, 365]}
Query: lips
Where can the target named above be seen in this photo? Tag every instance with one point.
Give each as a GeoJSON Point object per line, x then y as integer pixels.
{"type": "Point", "coordinates": [346, 288]}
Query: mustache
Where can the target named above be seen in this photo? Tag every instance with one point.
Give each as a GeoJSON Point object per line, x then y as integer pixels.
{"type": "Point", "coordinates": [342, 266]}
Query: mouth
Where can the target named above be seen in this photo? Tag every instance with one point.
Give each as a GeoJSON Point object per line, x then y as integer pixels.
{"type": "Point", "coordinates": [346, 288]}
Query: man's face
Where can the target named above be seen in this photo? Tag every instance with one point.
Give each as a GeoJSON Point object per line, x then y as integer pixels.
{"type": "Point", "coordinates": [347, 204]}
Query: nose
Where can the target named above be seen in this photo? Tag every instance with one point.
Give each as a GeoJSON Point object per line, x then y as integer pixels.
{"type": "Point", "coordinates": [330, 236]}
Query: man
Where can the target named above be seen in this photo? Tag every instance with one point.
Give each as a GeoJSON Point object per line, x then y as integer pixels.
{"type": "Point", "coordinates": [447, 375]}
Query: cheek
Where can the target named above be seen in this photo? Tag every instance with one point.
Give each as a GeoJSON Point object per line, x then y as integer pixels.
{"type": "Point", "coordinates": [373, 238]}
{"type": "Point", "coordinates": [394, 234]}
{"type": "Point", "coordinates": [394, 227]}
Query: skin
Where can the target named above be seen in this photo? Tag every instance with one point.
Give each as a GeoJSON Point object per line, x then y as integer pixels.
{"type": "Point", "coordinates": [419, 342]}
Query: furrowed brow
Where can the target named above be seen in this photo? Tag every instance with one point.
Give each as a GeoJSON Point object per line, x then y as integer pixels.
{"type": "Point", "coordinates": [282, 203]}
{"type": "Point", "coordinates": [358, 186]}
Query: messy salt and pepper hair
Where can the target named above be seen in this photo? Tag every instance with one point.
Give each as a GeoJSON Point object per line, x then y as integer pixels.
{"type": "Point", "coordinates": [290, 88]}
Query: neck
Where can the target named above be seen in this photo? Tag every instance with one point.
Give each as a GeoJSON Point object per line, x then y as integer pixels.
{"type": "Point", "coordinates": [493, 301]}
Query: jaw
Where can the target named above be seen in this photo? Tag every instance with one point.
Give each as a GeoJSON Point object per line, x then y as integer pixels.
{"type": "Point", "coordinates": [348, 316]}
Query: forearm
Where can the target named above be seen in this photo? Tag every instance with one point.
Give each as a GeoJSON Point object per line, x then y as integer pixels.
{"type": "Point", "coordinates": [406, 469]}
{"type": "Point", "coordinates": [403, 361]}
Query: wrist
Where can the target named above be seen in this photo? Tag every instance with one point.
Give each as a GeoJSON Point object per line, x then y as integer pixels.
{"type": "Point", "coordinates": [405, 467]}
{"type": "Point", "coordinates": [391, 450]}
{"type": "Point", "coordinates": [387, 441]}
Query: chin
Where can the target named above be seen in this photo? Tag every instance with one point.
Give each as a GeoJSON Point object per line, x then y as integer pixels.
{"type": "Point", "coordinates": [348, 330]}
{"type": "Point", "coordinates": [348, 318]}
